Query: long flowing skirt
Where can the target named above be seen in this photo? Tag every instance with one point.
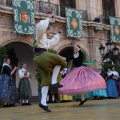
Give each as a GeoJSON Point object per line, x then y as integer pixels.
{"type": "Point", "coordinates": [24, 89]}
{"type": "Point", "coordinates": [112, 89]}
{"type": "Point", "coordinates": [8, 89]}
{"type": "Point", "coordinates": [81, 80]}
{"type": "Point", "coordinates": [99, 93]}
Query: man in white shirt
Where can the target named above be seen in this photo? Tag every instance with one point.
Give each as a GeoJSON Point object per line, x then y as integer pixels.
{"type": "Point", "coordinates": [49, 64]}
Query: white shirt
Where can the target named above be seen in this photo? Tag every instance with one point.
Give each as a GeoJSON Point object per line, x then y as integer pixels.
{"type": "Point", "coordinates": [47, 43]}
{"type": "Point", "coordinates": [115, 73]}
{"type": "Point", "coordinates": [109, 73]}
{"type": "Point", "coordinates": [76, 55]}
{"type": "Point", "coordinates": [21, 73]}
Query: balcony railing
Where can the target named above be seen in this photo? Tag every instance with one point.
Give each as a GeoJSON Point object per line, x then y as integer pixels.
{"type": "Point", "coordinates": [104, 19]}
{"type": "Point", "coordinates": [46, 7]}
{"type": "Point", "coordinates": [7, 3]}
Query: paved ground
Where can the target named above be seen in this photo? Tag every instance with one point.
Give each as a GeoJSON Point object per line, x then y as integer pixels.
{"type": "Point", "coordinates": [108, 109]}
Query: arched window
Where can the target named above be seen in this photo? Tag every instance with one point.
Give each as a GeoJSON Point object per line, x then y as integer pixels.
{"type": "Point", "coordinates": [108, 9]}
{"type": "Point", "coordinates": [66, 3]}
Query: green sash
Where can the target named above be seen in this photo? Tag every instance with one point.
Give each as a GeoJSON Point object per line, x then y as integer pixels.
{"type": "Point", "coordinates": [88, 63]}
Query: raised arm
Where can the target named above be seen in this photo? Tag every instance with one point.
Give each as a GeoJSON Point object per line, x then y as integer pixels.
{"type": "Point", "coordinates": [75, 46]}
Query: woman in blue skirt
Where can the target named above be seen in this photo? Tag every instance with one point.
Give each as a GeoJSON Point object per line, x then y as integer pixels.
{"type": "Point", "coordinates": [112, 90]}
{"type": "Point", "coordinates": [8, 90]}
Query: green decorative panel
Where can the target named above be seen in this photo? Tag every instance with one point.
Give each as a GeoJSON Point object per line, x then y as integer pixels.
{"type": "Point", "coordinates": [23, 16]}
{"type": "Point", "coordinates": [73, 23]}
{"type": "Point", "coordinates": [115, 29]}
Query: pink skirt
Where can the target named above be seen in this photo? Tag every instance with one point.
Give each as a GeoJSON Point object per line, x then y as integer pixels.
{"type": "Point", "coordinates": [81, 80]}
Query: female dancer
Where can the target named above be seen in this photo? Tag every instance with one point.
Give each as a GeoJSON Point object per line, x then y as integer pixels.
{"type": "Point", "coordinates": [81, 79]}
{"type": "Point", "coordinates": [8, 90]}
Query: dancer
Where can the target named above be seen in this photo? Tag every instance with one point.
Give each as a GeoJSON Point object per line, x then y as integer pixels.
{"type": "Point", "coordinates": [8, 90]}
{"type": "Point", "coordinates": [49, 63]}
{"type": "Point", "coordinates": [81, 79]}
{"type": "Point", "coordinates": [24, 87]}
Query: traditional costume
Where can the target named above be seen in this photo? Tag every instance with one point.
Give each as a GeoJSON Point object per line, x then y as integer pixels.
{"type": "Point", "coordinates": [8, 90]}
{"type": "Point", "coordinates": [112, 89]}
{"type": "Point", "coordinates": [81, 79]}
{"type": "Point", "coordinates": [48, 63]}
{"type": "Point", "coordinates": [24, 87]}
{"type": "Point", "coordinates": [100, 94]}
{"type": "Point", "coordinates": [116, 76]}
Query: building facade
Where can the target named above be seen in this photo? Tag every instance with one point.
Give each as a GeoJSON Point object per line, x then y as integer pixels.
{"type": "Point", "coordinates": [22, 44]}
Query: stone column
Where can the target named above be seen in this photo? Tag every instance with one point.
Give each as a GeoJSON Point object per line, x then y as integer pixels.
{"type": "Point", "coordinates": [117, 8]}
{"type": "Point", "coordinates": [94, 8]}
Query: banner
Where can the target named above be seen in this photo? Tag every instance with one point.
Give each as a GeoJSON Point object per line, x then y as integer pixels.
{"type": "Point", "coordinates": [115, 29]}
{"type": "Point", "coordinates": [73, 23]}
{"type": "Point", "coordinates": [23, 16]}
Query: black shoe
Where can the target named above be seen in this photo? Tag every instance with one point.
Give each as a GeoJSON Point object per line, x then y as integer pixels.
{"type": "Point", "coordinates": [12, 105]}
{"type": "Point", "coordinates": [56, 85]}
{"type": "Point", "coordinates": [23, 104]}
{"type": "Point", "coordinates": [54, 101]}
{"type": "Point", "coordinates": [6, 105]}
{"type": "Point", "coordinates": [28, 104]}
{"type": "Point", "coordinates": [82, 102]}
{"type": "Point", "coordinates": [48, 102]}
{"type": "Point", "coordinates": [45, 108]}
{"type": "Point", "coordinates": [85, 100]}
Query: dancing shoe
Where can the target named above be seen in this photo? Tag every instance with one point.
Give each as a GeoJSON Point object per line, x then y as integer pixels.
{"type": "Point", "coordinates": [28, 104]}
{"type": "Point", "coordinates": [82, 102]}
{"type": "Point", "coordinates": [6, 105]}
{"type": "Point", "coordinates": [56, 85]}
{"type": "Point", "coordinates": [12, 105]}
{"type": "Point", "coordinates": [23, 104]}
{"type": "Point", "coordinates": [45, 108]}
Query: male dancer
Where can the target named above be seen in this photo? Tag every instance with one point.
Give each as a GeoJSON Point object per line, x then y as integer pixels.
{"type": "Point", "coordinates": [48, 63]}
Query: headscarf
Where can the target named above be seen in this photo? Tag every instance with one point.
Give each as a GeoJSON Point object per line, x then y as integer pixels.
{"type": "Point", "coordinates": [4, 63]}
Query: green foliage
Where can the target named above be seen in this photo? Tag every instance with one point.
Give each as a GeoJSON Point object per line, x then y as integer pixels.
{"type": "Point", "coordinates": [84, 56]}
{"type": "Point", "coordinates": [3, 55]}
{"type": "Point", "coordinates": [38, 76]}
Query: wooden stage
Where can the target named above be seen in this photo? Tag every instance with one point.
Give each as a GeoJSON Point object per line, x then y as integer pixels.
{"type": "Point", "coordinates": [107, 109]}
